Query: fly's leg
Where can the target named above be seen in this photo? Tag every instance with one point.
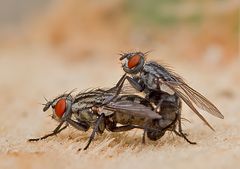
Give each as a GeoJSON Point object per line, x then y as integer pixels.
{"type": "Point", "coordinates": [57, 130]}
{"type": "Point", "coordinates": [79, 126]}
{"type": "Point", "coordinates": [121, 80]}
{"type": "Point", "coordinates": [118, 86]}
{"type": "Point", "coordinates": [99, 120]}
{"type": "Point", "coordinates": [180, 132]}
{"type": "Point", "coordinates": [144, 136]}
{"type": "Point", "coordinates": [158, 106]}
{"type": "Point", "coordinates": [134, 82]}
{"type": "Point", "coordinates": [184, 136]}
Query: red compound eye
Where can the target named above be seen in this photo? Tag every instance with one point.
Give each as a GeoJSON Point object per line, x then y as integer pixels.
{"type": "Point", "coordinates": [60, 107]}
{"type": "Point", "coordinates": [133, 61]}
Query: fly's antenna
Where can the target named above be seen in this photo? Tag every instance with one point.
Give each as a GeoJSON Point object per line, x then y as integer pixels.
{"type": "Point", "coordinates": [123, 56]}
{"type": "Point", "coordinates": [47, 101]}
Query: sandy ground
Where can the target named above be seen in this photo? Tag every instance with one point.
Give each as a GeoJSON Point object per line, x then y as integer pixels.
{"type": "Point", "coordinates": [27, 76]}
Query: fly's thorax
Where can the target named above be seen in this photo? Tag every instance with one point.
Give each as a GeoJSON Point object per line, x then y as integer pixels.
{"type": "Point", "coordinates": [149, 80]}
{"type": "Point", "coordinates": [87, 116]}
{"type": "Point", "coordinates": [76, 107]}
{"type": "Point", "coordinates": [159, 71]}
{"type": "Point", "coordinates": [154, 83]}
{"type": "Point", "coordinates": [153, 76]}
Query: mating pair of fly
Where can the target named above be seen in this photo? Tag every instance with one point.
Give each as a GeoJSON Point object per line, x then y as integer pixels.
{"type": "Point", "coordinates": [117, 110]}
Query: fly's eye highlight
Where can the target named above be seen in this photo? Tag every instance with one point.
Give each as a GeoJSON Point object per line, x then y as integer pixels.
{"type": "Point", "coordinates": [60, 107]}
{"type": "Point", "coordinates": [133, 61]}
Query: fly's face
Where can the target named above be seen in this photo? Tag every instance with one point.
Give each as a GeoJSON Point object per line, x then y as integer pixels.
{"type": "Point", "coordinates": [132, 63]}
{"type": "Point", "coordinates": [61, 106]}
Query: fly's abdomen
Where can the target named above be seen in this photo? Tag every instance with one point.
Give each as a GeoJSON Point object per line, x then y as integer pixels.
{"type": "Point", "coordinates": [126, 119]}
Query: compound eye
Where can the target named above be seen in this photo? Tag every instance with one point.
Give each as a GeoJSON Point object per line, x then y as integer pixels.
{"type": "Point", "coordinates": [60, 107]}
{"type": "Point", "coordinates": [133, 61]}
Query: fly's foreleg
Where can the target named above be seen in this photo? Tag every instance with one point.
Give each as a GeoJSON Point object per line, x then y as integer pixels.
{"type": "Point", "coordinates": [57, 130]}
{"type": "Point", "coordinates": [135, 83]}
{"type": "Point", "coordinates": [78, 125]}
{"type": "Point", "coordinates": [118, 86]}
{"type": "Point", "coordinates": [119, 83]}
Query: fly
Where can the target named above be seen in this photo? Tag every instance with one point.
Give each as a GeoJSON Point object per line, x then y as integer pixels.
{"type": "Point", "coordinates": [85, 111]}
{"type": "Point", "coordinates": [150, 77]}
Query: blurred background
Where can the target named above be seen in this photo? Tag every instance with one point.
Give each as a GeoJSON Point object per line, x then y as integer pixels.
{"type": "Point", "coordinates": [74, 29]}
{"type": "Point", "coordinates": [50, 46]}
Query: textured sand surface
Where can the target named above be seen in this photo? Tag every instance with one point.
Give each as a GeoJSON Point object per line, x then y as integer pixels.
{"type": "Point", "coordinates": [27, 76]}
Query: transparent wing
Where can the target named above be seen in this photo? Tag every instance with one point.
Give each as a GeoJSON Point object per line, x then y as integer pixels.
{"type": "Point", "coordinates": [173, 80]}
{"type": "Point", "coordinates": [133, 108]}
{"type": "Point", "coordinates": [189, 103]}
{"type": "Point", "coordinates": [190, 96]}
{"type": "Point", "coordinates": [199, 100]}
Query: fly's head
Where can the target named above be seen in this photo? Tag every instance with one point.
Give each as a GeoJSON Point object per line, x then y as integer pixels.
{"type": "Point", "coordinates": [133, 63]}
{"type": "Point", "coordinates": [61, 106]}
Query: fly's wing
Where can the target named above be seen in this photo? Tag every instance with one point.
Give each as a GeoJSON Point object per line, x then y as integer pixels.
{"type": "Point", "coordinates": [202, 102]}
{"type": "Point", "coordinates": [189, 103]}
{"type": "Point", "coordinates": [184, 91]}
{"type": "Point", "coordinates": [198, 99]}
{"type": "Point", "coordinates": [132, 108]}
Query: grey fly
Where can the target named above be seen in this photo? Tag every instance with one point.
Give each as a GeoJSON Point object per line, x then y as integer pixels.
{"type": "Point", "coordinates": [85, 111]}
{"type": "Point", "coordinates": [151, 78]}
